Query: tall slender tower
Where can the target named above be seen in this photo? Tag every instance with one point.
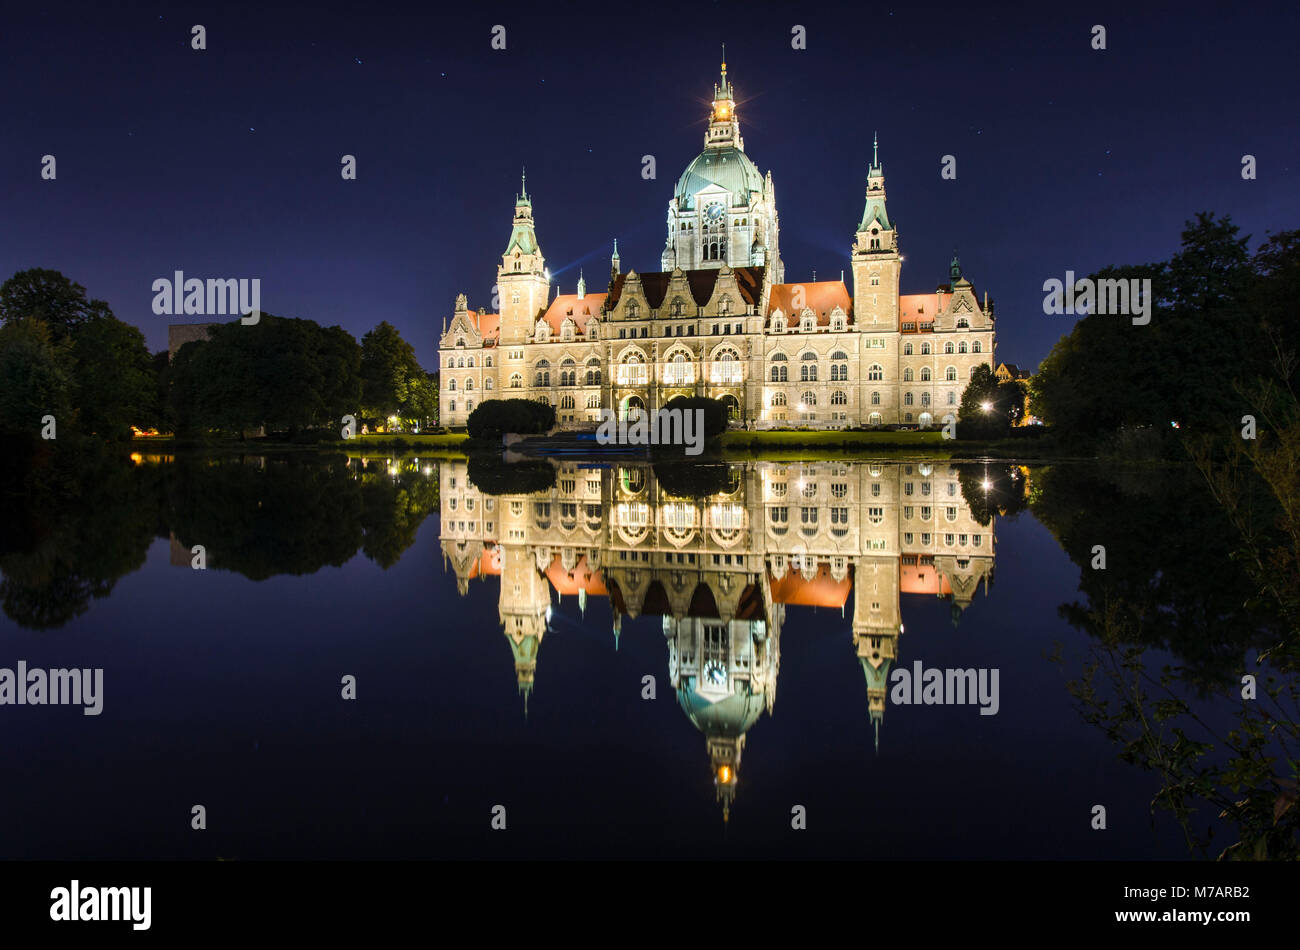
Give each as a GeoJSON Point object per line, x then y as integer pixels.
{"type": "Point", "coordinates": [876, 262]}
{"type": "Point", "coordinates": [876, 626]}
{"type": "Point", "coordinates": [523, 283]}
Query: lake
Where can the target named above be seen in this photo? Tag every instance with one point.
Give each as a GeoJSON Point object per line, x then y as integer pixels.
{"type": "Point", "coordinates": [420, 658]}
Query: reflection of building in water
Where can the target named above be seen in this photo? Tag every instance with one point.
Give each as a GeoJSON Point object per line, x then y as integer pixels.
{"type": "Point", "coordinates": [721, 570]}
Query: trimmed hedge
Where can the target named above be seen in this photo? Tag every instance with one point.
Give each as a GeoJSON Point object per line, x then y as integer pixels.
{"type": "Point", "coordinates": [494, 417]}
{"type": "Point", "coordinates": [715, 412]}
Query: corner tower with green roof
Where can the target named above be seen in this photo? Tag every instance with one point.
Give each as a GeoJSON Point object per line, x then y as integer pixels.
{"type": "Point", "coordinates": [877, 263]}
{"type": "Point", "coordinates": [523, 284]}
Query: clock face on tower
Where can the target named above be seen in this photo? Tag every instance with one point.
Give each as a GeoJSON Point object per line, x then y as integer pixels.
{"type": "Point", "coordinates": [713, 213]}
{"type": "Point", "coordinates": [715, 673]}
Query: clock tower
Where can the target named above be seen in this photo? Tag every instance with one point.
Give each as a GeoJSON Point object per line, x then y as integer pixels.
{"type": "Point", "coordinates": [723, 210]}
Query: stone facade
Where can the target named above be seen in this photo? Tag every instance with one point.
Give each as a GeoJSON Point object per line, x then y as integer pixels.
{"type": "Point", "coordinates": [719, 320]}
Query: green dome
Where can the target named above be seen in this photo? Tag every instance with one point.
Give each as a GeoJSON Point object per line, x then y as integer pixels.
{"type": "Point", "coordinates": [731, 716]}
{"type": "Point", "coordinates": [728, 168]}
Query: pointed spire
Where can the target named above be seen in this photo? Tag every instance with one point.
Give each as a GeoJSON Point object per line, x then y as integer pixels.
{"type": "Point", "coordinates": [582, 285]}
{"type": "Point", "coordinates": [877, 737]}
{"type": "Point", "coordinates": [954, 269]}
{"type": "Point", "coordinates": [875, 149]}
{"type": "Point", "coordinates": [523, 182]}
{"type": "Point", "coordinates": [724, 130]}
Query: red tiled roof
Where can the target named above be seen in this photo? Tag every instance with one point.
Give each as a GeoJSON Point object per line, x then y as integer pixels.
{"type": "Point", "coordinates": [923, 579]}
{"type": "Point", "coordinates": [570, 305]}
{"type": "Point", "coordinates": [822, 591]}
{"type": "Point", "coordinates": [488, 324]}
{"type": "Point", "coordinates": [820, 296]}
{"type": "Point", "coordinates": [489, 562]}
{"type": "Point", "coordinates": [921, 308]}
{"type": "Point", "coordinates": [582, 577]}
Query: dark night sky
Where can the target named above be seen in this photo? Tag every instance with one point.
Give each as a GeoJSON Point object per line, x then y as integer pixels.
{"type": "Point", "coordinates": [225, 163]}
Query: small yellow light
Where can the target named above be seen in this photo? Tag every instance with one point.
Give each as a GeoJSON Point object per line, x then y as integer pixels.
{"type": "Point", "coordinates": [724, 775]}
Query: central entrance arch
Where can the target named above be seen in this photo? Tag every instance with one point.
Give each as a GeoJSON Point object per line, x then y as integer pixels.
{"type": "Point", "coordinates": [631, 407]}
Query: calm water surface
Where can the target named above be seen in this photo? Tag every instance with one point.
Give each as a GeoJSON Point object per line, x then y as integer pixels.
{"type": "Point", "coordinates": [505, 629]}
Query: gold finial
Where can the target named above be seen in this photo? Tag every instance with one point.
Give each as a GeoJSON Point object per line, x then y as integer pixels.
{"type": "Point", "coordinates": [724, 62]}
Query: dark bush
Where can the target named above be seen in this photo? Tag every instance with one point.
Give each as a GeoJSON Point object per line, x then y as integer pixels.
{"type": "Point", "coordinates": [693, 479]}
{"type": "Point", "coordinates": [495, 417]}
{"type": "Point", "coordinates": [492, 476]}
{"type": "Point", "coordinates": [715, 412]}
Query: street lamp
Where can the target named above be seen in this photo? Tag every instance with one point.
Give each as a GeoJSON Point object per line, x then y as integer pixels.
{"type": "Point", "coordinates": [986, 406]}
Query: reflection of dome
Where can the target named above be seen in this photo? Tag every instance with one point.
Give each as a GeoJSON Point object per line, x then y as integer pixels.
{"type": "Point", "coordinates": [728, 168]}
{"type": "Point", "coordinates": [731, 716]}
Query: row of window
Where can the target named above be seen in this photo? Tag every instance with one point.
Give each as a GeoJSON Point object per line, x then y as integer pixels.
{"type": "Point", "coordinates": [464, 362]}
{"type": "Point", "coordinates": [948, 348]}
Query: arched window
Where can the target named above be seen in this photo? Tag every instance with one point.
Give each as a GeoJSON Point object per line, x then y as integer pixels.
{"type": "Point", "coordinates": [907, 399]}
{"type": "Point", "coordinates": [543, 378]}
{"type": "Point", "coordinates": [469, 384]}
{"type": "Point", "coordinates": [952, 398]}
{"type": "Point", "coordinates": [451, 385]}
{"type": "Point", "coordinates": [516, 381]}
{"type": "Point", "coordinates": [778, 399]}
{"type": "Point", "coordinates": [487, 383]}
{"type": "Point", "coordinates": [679, 371]}
{"type": "Point", "coordinates": [963, 323]}
{"type": "Point", "coordinates": [875, 372]}
{"type": "Point", "coordinates": [950, 374]}
{"type": "Point", "coordinates": [839, 371]}
{"type": "Point", "coordinates": [808, 372]}
{"type": "Point", "coordinates": [975, 347]}
{"type": "Point", "coordinates": [460, 364]}
{"type": "Point", "coordinates": [809, 398]}
{"type": "Point", "coordinates": [925, 399]}
{"type": "Point", "coordinates": [925, 349]}
{"type": "Point", "coordinates": [961, 347]}
{"type": "Point", "coordinates": [487, 361]}
{"type": "Point", "coordinates": [632, 372]}
{"type": "Point", "coordinates": [593, 402]}
{"type": "Point", "coordinates": [875, 399]}
{"type": "Point", "coordinates": [726, 368]}
{"type": "Point", "coordinates": [925, 374]}
{"type": "Point", "coordinates": [838, 398]}
{"type": "Point", "coordinates": [907, 375]}
{"type": "Point", "coordinates": [470, 364]}
{"type": "Point", "coordinates": [593, 372]}
{"type": "Point", "coordinates": [874, 419]}
{"type": "Point", "coordinates": [907, 349]}
{"type": "Point", "coordinates": [948, 348]}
